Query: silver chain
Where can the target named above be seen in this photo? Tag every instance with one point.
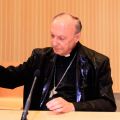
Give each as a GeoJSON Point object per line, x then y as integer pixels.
{"type": "Point", "coordinates": [63, 74]}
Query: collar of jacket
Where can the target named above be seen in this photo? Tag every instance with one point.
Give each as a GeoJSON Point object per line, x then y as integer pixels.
{"type": "Point", "coordinates": [85, 57]}
{"type": "Point", "coordinates": [49, 70]}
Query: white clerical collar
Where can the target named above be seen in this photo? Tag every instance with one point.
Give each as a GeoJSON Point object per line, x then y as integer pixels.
{"type": "Point", "coordinates": [67, 55]}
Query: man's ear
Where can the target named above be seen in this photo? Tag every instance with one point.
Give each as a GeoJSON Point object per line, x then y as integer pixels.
{"type": "Point", "coordinates": [77, 37]}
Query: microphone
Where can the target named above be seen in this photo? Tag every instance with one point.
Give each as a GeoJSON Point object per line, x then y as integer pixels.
{"type": "Point", "coordinates": [27, 104]}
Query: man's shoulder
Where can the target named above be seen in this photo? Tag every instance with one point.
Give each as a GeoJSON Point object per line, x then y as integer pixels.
{"type": "Point", "coordinates": [90, 53]}
{"type": "Point", "coordinates": [42, 51]}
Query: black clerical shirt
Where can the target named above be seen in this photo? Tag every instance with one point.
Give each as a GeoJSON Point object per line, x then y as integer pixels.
{"type": "Point", "coordinates": [67, 87]}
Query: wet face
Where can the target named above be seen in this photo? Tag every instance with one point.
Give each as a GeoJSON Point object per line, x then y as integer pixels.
{"type": "Point", "coordinates": [63, 37]}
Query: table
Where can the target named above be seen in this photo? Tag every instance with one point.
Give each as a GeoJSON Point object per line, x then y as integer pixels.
{"type": "Point", "coordinates": [48, 115]}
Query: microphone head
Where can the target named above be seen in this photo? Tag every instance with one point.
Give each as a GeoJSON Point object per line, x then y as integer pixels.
{"type": "Point", "coordinates": [37, 73]}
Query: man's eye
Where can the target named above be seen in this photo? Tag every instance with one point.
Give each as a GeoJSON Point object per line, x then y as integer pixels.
{"type": "Point", "coordinates": [52, 36]}
{"type": "Point", "coordinates": [61, 38]}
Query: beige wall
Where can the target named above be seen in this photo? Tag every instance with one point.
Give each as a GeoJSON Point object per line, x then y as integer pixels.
{"type": "Point", "coordinates": [25, 24]}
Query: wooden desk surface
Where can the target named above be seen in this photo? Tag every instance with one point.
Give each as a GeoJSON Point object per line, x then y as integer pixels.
{"type": "Point", "coordinates": [47, 115]}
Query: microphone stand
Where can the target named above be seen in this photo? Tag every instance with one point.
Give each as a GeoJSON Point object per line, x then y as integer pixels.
{"type": "Point", "coordinates": [27, 105]}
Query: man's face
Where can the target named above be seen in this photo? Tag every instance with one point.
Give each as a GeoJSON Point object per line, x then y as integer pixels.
{"type": "Point", "coordinates": [63, 37]}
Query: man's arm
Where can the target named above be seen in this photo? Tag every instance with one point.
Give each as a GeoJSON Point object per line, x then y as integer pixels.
{"type": "Point", "coordinates": [11, 76]}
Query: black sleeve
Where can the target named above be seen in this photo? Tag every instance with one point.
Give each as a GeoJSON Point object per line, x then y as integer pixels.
{"type": "Point", "coordinates": [12, 76]}
{"type": "Point", "coordinates": [106, 101]}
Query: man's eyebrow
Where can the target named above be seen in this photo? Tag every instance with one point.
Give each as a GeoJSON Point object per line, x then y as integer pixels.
{"type": "Point", "coordinates": [58, 35]}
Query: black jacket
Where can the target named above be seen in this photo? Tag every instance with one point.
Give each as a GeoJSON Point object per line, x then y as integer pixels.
{"type": "Point", "coordinates": [93, 79]}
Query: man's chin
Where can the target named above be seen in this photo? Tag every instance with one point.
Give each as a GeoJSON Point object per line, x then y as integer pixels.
{"type": "Point", "coordinates": [58, 53]}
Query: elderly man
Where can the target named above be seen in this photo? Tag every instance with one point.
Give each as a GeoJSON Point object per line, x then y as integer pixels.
{"type": "Point", "coordinates": [72, 76]}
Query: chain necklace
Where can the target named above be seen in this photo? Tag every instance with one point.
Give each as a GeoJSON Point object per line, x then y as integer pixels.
{"type": "Point", "coordinates": [53, 91]}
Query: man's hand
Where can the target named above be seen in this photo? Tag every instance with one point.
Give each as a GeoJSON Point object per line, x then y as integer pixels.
{"type": "Point", "coordinates": [59, 105]}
